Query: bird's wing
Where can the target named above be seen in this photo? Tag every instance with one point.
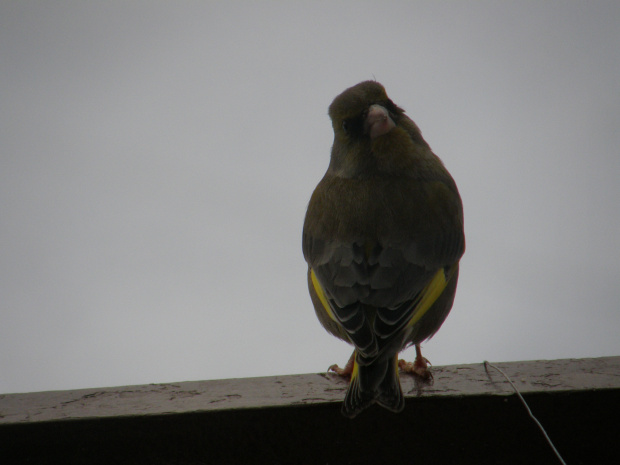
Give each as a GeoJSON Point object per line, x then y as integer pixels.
{"type": "Point", "coordinates": [351, 318]}
{"type": "Point", "coordinates": [390, 322]}
{"type": "Point", "coordinates": [399, 293]}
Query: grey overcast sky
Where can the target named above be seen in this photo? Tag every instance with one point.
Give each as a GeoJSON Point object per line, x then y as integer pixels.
{"type": "Point", "coordinates": [157, 159]}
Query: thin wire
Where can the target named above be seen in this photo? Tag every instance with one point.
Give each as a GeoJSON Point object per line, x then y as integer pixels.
{"type": "Point", "coordinates": [487, 364]}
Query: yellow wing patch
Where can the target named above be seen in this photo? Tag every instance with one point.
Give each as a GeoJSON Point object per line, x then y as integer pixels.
{"type": "Point", "coordinates": [321, 294]}
{"type": "Point", "coordinates": [430, 294]}
{"type": "Point", "coordinates": [427, 297]}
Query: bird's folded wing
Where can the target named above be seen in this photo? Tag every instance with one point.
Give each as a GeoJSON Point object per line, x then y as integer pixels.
{"type": "Point", "coordinates": [359, 277]}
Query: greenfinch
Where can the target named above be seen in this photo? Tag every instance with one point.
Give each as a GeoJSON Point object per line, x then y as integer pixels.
{"type": "Point", "coordinates": [382, 236]}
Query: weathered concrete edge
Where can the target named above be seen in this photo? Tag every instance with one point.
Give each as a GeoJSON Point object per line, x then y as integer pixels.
{"type": "Point", "coordinates": [278, 391]}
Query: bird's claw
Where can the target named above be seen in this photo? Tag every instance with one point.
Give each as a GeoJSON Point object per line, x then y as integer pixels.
{"type": "Point", "coordinates": [346, 371]}
{"type": "Point", "coordinates": [417, 368]}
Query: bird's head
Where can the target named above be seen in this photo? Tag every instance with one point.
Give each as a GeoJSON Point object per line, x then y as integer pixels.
{"type": "Point", "coordinates": [362, 113]}
{"type": "Point", "coordinates": [371, 133]}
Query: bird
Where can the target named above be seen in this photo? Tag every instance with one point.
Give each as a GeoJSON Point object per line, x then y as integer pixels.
{"type": "Point", "coordinates": [383, 236]}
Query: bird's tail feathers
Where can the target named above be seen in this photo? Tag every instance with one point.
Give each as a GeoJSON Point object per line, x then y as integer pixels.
{"type": "Point", "coordinates": [391, 396]}
{"type": "Point", "coordinates": [372, 383]}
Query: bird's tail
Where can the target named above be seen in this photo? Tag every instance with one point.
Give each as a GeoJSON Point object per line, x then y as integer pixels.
{"type": "Point", "coordinates": [375, 382]}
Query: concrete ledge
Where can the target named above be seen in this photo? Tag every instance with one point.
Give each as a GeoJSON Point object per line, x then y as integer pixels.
{"type": "Point", "coordinates": [466, 416]}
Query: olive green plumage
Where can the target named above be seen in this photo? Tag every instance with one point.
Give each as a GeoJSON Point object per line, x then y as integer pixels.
{"type": "Point", "coordinates": [382, 236]}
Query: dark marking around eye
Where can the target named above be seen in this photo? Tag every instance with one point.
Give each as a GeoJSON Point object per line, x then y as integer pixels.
{"type": "Point", "coordinates": [353, 126]}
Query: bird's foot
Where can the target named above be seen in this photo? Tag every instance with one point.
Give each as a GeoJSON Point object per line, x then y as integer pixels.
{"type": "Point", "coordinates": [346, 371]}
{"type": "Point", "coordinates": [419, 367]}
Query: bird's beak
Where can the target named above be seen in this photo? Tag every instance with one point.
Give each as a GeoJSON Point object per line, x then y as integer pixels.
{"type": "Point", "coordinates": [378, 121]}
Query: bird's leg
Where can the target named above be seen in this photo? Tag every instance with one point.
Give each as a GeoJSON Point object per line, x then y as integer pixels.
{"type": "Point", "coordinates": [347, 370]}
{"type": "Point", "coordinates": [419, 367]}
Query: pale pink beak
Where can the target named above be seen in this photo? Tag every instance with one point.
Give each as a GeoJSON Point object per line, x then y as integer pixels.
{"type": "Point", "coordinates": [378, 121]}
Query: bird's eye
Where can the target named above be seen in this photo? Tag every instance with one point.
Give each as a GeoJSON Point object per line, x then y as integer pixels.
{"type": "Point", "coordinates": [345, 125]}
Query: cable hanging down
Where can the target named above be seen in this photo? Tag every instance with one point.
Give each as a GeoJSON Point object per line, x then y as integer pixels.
{"type": "Point", "coordinates": [529, 412]}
